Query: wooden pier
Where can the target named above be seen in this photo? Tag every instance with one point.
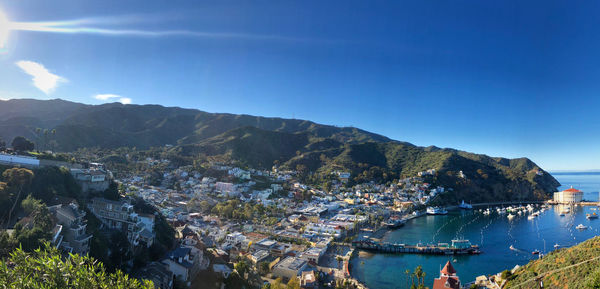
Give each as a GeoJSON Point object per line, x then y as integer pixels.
{"type": "Point", "coordinates": [458, 247]}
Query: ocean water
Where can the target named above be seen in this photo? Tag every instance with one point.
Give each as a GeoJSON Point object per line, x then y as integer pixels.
{"type": "Point", "coordinates": [494, 234]}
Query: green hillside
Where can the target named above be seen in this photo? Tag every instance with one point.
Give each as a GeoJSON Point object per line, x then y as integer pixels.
{"type": "Point", "coordinates": [262, 142]}
{"type": "Point", "coordinates": [575, 267]}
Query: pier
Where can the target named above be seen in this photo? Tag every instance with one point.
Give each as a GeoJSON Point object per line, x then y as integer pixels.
{"type": "Point", "coordinates": [458, 247]}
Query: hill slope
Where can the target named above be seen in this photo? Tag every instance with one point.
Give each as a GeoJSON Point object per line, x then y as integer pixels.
{"type": "Point", "coordinates": [261, 142]}
{"type": "Point", "coordinates": [575, 267]}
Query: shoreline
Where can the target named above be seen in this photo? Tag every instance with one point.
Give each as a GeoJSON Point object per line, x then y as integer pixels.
{"type": "Point", "coordinates": [381, 232]}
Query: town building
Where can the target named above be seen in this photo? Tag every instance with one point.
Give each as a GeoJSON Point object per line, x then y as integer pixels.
{"type": "Point", "coordinates": [289, 268]}
{"type": "Point", "coordinates": [118, 215]}
{"type": "Point", "coordinates": [568, 196]}
{"type": "Point", "coordinates": [92, 179]}
{"type": "Point", "coordinates": [159, 274]}
{"type": "Point", "coordinates": [448, 278]}
{"type": "Point", "coordinates": [183, 263]}
{"type": "Point", "coordinates": [74, 238]}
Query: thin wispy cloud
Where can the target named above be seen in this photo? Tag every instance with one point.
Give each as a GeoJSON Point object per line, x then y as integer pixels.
{"type": "Point", "coordinates": [109, 96]}
{"type": "Point", "coordinates": [43, 79]}
{"type": "Point", "coordinates": [98, 25]}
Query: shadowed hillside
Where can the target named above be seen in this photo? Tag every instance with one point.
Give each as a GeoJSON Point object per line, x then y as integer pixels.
{"type": "Point", "coordinates": [262, 142]}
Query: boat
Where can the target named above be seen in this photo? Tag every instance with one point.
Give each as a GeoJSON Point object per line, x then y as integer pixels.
{"type": "Point", "coordinates": [465, 206]}
{"type": "Point", "coordinates": [535, 252]}
{"type": "Point", "coordinates": [393, 223]}
{"type": "Point", "coordinates": [556, 246]}
{"type": "Point", "coordinates": [581, 227]}
{"type": "Point", "coordinates": [512, 248]}
{"type": "Point", "coordinates": [530, 217]}
{"type": "Point", "coordinates": [487, 211]}
{"type": "Point", "coordinates": [591, 216]}
{"type": "Point", "coordinates": [510, 216]}
{"type": "Point", "coordinates": [436, 211]}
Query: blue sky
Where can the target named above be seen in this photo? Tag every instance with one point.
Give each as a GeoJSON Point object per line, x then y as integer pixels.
{"type": "Point", "coordinates": [504, 78]}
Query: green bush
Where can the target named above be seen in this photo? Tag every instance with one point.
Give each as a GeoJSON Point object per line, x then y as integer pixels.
{"type": "Point", "coordinates": [44, 268]}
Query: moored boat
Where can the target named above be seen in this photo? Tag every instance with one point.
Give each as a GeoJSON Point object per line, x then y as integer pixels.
{"type": "Point", "coordinates": [436, 211]}
{"type": "Point", "coordinates": [581, 227]}
{"type": "Point", "coordinates": [465, 206]}
{"type": "Point", "coordinates": [393, 223]}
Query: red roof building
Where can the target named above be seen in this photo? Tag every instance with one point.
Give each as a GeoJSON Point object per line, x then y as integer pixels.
{"type": "Point", "coordinates": [568, 196]}
{"type": "Point", "coordinates": [448, 278]}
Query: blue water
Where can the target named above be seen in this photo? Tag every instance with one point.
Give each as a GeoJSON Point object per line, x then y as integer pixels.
{"type": "Point", "coordinates": [494, 234]}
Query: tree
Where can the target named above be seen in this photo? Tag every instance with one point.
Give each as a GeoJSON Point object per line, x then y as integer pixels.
{"type": "Point", "coordinates": [294, 283]}
{"type": "Point", "coordinates": [242, 267]}
{"type": "Point", "coordinates": [22, 144]}
{"type": "Point", "coordinates": [112, 192]}
{"type": "Point", "coordinates": [339, 259]}
{"type": "Point", "coordinates": [44, 268]}
{"type": "Point", "coordinates": [17, 179]}
{"type": "Point", "coordinates": [263, 268]}
{"type": "Point", "coordinates": [420, 275]}
{"type": "Point", "coordinates": [31, 204]}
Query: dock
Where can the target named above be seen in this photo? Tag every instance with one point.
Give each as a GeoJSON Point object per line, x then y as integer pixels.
{"type": "Point", "coordinates": [458, 247]}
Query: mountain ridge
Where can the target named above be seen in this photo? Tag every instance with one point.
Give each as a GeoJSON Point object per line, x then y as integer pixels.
{"type": "Point", "coordinates": [266, 141]}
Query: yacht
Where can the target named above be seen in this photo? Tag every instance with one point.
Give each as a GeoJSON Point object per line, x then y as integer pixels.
{"type": "Point", "coordinates": [556, 246]}
{"type": "Point", "coordinates": [510, 216]}
{"type": "Point", "coordinates": [393, 223]}
{"type": "Point", "coordinates": [465, 206]}
{"type": "Point", "coordinates": [581, 227]}
{"type": "Point", "coordinates": [530, 217]}
{"type": "Point", "coordinates": [436, 211]}
{"type": "Point", "coordinates": [535, 252]}
{"type": "Point", "coordinates": [591, 216]}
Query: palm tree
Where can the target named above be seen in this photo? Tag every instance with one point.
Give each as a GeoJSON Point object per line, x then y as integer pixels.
{"type": "Point", "coordinates": [339, 259]}
{"type": "Point", "coordinates": [420, 274]}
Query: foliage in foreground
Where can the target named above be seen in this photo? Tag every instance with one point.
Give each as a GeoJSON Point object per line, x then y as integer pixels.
{"type": "Point", "coordinates": [44, 268]}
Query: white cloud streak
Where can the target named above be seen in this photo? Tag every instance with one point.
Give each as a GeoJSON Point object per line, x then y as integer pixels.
{"type": "Point", "coordinates": [94, 26]}
{"type": "Point", "coordinates": [109, 96]}
{"type": "Point", "coordinates": [43, 79]}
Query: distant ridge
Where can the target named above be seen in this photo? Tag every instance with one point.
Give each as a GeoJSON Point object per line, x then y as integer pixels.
{"type": "Point", "coordinates": [264, 141]}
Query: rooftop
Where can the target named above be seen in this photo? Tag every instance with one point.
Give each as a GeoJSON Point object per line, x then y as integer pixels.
{"type": "Point", "coordinates": [291, 263]}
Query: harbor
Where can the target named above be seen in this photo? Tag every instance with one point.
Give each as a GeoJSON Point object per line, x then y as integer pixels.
{"type": "Point", "coordinates": [494, 233]}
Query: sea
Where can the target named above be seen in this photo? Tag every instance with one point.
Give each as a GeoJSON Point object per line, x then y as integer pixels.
{"type": "Point", "coordinates": [493, 233]}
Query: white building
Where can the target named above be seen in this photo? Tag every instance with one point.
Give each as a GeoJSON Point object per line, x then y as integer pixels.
{"type": "Point", "coordinates": [569, 196]}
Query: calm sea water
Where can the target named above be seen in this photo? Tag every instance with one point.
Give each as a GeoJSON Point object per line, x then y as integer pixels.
{"type": "Point", "coordinates": [494, 234]}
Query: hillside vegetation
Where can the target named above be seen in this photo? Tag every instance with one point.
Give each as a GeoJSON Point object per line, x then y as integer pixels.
{"type": "Point", "coordinates": [262, 142]}
{"type": "Point", "coordinates": [575, 267]}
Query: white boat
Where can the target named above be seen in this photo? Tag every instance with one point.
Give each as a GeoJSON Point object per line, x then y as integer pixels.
{"type": "Point", "coordinates": [436, 211]}
{"type": "Point", "coordinates": [487, 211]}
{"type": "Point", "coordinates": [556, 246]}
{"type": "Point", "coordinates": [530, 217]}
{"type": "Point", "coordinates": [465, 206]}
{"type": "Point", "coordinates": [512, 248]}
{"type": "Point", "coordinates": [510, 216]}
{"type": "Point", "coordinates": [581, 227]}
